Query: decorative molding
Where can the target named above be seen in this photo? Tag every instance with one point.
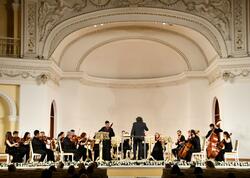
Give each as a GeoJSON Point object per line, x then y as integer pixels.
{"type": "Point", "coordinates": [239, 28]}
{"type": "Point", "coordinates": [30, 28]}
{"type": "Point", "coordinates": [231, 75]}
{"type": "Point", "coordinates": [51, 13]}
{"type": "Point", "coordinates": [29, 70]}
{"type": "Point", "coordinates": [140, 15]}
{"type": "Point", "coordinates": [43, 71]}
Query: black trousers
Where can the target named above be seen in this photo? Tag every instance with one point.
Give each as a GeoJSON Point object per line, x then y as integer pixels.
{"type": "Point", "coordinates": [17, 153]}
{"type": "Point", "coordinates": [82, 151]}
{"type": "Point", "coordinates": [138, 143]}
{"type": "Point", "coordinates": [220, 156]}
{"type": "Point", "coordinates": [77, 155]}
{"type": "Point", "coordinates": [44, 152]}
{"type": "Point", "coordinates": [175, 152]}
{"type": "Point", "coordinates": [106, 150]}
{"type": "Point", "coordinates": [189, 155]}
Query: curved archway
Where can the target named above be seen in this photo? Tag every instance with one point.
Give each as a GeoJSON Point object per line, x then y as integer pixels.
{"type": "Point", "coordinates": [196, 23]}
{"type": "Point", "coordinates": [11, 106]}
{"type": "Point", "coordinates": [52, 118]}
{"type": "Point", "coordinates": [216, 112]}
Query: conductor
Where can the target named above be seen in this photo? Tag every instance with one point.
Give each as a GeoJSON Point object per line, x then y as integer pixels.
{"type": "Point", "coordinates": [138, 132]}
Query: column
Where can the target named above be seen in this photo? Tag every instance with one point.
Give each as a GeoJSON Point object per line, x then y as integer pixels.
{"type": "Point", "coordinates": [15, 7]}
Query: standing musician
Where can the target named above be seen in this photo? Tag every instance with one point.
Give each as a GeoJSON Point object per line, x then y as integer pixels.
{"type": "Point", "coordinates": [69, 146]}
{"type": "Point", "coordinates": [39, 147]}
{"type": "Point", "coordinates": [12, 148]}
{"type": "Point", "coordinates": [179, 143]}
{"type": "Point", "coordinates": [107, 143]}
{"type": "Point", "coordinates": [227, 143]}
{"type": "Point", "coordinates": [196, 146]}
{"type": "Point", "coordinates": [82, 150]}
{"type": "Point", "coordinates": [215, 130]}
{"type": "Point", "coordinates": [138, 132]}
{"type": "Point", "coordinates": [157, 152]}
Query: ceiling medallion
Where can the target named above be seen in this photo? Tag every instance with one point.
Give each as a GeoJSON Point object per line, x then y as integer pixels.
{"type": "Point", "coordinates": [169, 2]}
{"type": "Point", "coordinates": [100, 2]}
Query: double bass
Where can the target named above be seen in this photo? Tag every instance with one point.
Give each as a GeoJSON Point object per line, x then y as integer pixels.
{"type": "Point", "coordinates": [214, 146]}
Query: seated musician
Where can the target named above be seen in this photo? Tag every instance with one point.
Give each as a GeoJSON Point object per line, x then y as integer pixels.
{"type": "Point", "coordinates": [69, 146]}
{"type": "Point", "coordinates": [126, 144]}
{"type": "Point", "coordinates": [12, 149]}
{"type": "Point", "coordinates": [179, 143]}
{"type": "Point", "coordinates": [215, 130]}
{"type": "Point", "coordinates": [157, 152]}
{"type": "Point", "coordinates": [26, 144]}
{"type": "Point", "coordinates": [196, 146]}
{"type": "Point", "coordinates": [82, 150]}
{"type": "Point", "coordinates": [227, 146]}
{"type": "Point", "coordinates": [39, 147]}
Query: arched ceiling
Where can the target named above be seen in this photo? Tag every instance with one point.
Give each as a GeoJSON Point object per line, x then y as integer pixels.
{"type": "Point", "coordinates": [134, 50]}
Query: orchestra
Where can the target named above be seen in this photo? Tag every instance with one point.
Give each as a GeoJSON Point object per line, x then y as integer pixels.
{"type": "Point", "coordinates": [85, 148]}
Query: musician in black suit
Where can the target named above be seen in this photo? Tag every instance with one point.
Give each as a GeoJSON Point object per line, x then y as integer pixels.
{"type": "Point", "coordinates": [179, 143]}
{"type": "Point", "coordinates": [69, 146]}
{"type": "Point", "coordinates": [217, 131]}
{"type": "Point", "coordinates": [138, 133]}
{"type": "Point", "coordinates": [40, 147]}
{"type": "Point", "coordinates": [107, 143]}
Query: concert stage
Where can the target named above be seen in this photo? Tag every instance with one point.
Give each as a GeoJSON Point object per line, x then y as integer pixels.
{"type": "Point", "coordinates": [129, 169]}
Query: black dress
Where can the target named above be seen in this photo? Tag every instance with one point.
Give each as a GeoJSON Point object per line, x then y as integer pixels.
{"type": "Point", "coordinates": [15, 152]}
{"type": "Point", "coordinates": [227, 148]}
{"type": "Point", "coordinates": [157, 152]}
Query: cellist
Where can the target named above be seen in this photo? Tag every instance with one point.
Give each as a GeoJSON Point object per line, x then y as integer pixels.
{"type": "Point", "coordinates": [196, 146]}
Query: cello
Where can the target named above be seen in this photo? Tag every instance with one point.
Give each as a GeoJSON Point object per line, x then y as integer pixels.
{"type": "Point", "coordinates": [185, 149]}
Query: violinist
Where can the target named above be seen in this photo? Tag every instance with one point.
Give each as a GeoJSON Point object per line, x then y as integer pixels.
{"type": "Point", "coordinates": [213, 129]}
{"type": "Point", "coordinates": [12, 149]}
{"type": "Point", "coordinates": [61, 136]}
{"type": "Point", "coordinates": [157, 152]}
{"type": "Point", "coordinates": [107, 143]}
{"type": "Point", "coordinates": [82, 150]}
{"type": "Point", "coordinates": [16, 137]}
{"type": "Point", "coordinates": [179, 143]}
{"type": "Point", "coordinates": [227, 143]}
{"type": "Point", "coordinates": [39, 147]}
{"type": "Point", "coordinates": [69, 146]}
{"type": "Point", "coordinates": [25, 145]}
{"type": "Point", "coordinates": [196, 146]}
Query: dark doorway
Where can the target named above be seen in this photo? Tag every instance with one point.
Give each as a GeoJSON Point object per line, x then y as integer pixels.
{"type": "Point", "coordinates": [217, 118]}
{"type": "Point", "coordinates": [52, 120]}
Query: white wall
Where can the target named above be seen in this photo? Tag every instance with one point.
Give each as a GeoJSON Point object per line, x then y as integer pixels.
{"type": "Point", "coordinates": [164, 109]}
{"type": "Point", "coordinates": [35, 103]}
{"type": "Point", "coordinates": [234, 101]}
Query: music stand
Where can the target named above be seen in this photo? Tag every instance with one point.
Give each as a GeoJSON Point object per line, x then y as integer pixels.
{"type": "Point", "coordinates": [101, 136]}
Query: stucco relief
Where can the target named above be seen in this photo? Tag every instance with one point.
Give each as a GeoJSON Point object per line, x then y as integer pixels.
{"type": "Point", "coordinates": [52, 12]}
{"type": "Point", "coordinates": [240, 26]}
{"type": "Point", "coordinates": [31, 32]}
